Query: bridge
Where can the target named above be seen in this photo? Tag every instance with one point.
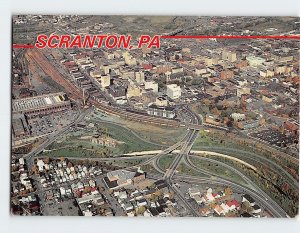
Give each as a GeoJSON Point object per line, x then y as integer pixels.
{"type": "Point", "coordinates": [199, 127]}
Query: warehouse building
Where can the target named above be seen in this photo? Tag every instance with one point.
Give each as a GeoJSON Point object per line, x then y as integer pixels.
{"type": "Point", "coordinates": [19, 126]}
{"type": "Point", "coordinates": [41, 105]}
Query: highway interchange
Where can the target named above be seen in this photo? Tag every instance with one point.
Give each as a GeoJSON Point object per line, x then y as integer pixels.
{"type": "Point", "coordinates": [193, 125]}
{"type": "Point", "coordinates": [184, 147]}
{"type": "Point", "coordinates": [184, 156]}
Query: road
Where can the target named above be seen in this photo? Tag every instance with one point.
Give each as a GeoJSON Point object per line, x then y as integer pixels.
{"type": "Point", "coordinates": [52, 137]}
{"type": "Point", "coordinates": [187, 146]}
{"type": "Point", "coordinates": [186, 143]}
{"type": "Point", "coordinates": [277, 210]}
{"type": "Point", "coordinates": [185, 149]}
{"type": "Point", "coordinates": [131, 131]}
{"type": "Point", "coordinates": [193, 166]}
{"type": "Point", "coordinates": [165, 151]}
{"type": "Point", "coordinates": [262, 200]}
{"type": "Point", "coordinates": [253, 189]}
{"type": "Point", "coordinates": [253, 157]}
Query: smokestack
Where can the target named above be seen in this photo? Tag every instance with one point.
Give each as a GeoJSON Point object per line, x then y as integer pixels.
{"type": "Point", "coordinates": [83, 96]}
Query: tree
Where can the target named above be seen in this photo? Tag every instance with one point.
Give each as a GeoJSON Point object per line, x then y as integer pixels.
{"type": "Point", "coordinates": [246, 207]}
{"type": "Point", "coordinates": [228, 191]}
{"type": "Point", "coordinates": [46, 160]}
{"type": "Point", "coordinates": [202, 133]}
{"type": "Point", "coordinates": [34, 169]}
{"type": "Point", "coordinates": [87, 189]}
{"type": "Point", "coordinates": [158, 193]}
{"type": "Point", "coordinates": [140, 210]}
{"type": "Point", "coordinates": [153, 197]}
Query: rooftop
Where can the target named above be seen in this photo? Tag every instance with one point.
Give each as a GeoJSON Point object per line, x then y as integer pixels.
{"type": "Point", "coordinates": [36, 102]}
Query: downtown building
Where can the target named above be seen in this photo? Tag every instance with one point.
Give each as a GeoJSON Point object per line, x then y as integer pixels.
{"type": "Point", "coordinates": [173, 91]}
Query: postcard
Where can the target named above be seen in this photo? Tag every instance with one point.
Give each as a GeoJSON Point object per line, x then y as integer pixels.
{"type": "Point", "coordinates": [155, 116]}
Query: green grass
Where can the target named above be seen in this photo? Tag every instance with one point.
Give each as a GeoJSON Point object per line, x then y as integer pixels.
{"type": "Point", "coordinates": [248, 157]}
{"type": "Point", "coordinates": [74, 152]}
{"type": "Point", "coordinates": [183, 169]}
{"type": "Point", "coordinates": [72, 145]}
{"type": "Point", "coordinates": [150, 169]}
{"type": "Point", "coordinates": [166, 160]}
{"type": "Point", "coordinates": [203, 141]}
{"type": "Point", "coordinates": [206, 141]}
{"type": "Point", "coordinates": [131, 142]}
{"type": "Point", "coordinates": [218, 170]}
{"type": "Point", "coordinates": [127, 162]}
{"type": "Point", "coordinates": [160, 135]}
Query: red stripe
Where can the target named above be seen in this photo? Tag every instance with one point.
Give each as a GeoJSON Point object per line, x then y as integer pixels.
{"type": "Point", "coordinates": [291, 37]}
{"type": "Point", "coordinates": [295, 37]}
{"type": "Point", "coordinates": [23, 46]}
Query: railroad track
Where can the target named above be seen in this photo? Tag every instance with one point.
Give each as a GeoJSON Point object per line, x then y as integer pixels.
{"type": "Point", "coordinates": [75, 93]}
{"type": "Point", "coordinates": [50, 70]}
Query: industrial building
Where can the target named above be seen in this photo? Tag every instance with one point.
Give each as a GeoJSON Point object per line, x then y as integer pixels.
{"type": "Point", "coordinates": [19, 126]}
{"type": "Point", "coordinates": [41, 105]}
{"type": "Point", "coordinates": [121, 178]}
{"type": "Point", "coordinates": [167, 112]}
{"type": "Point", "coordinates": [248, 124]}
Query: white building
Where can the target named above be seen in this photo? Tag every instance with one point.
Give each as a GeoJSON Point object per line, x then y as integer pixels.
{"type": "Point", "coordinates": [151, 85]}
{"type": "Point", "coordinates": [140, 77]}
{"type": "Point", "coordinates": [255, 61]}
{"type": "Point", "coordinates": [173, 91]}
{"type": "Point", "coordinates": [105, 81]}
{"type": "Point", "coordinates": [193, 191]}
{"type": "Point", "coordinates": [238, 116]}
{"type": "Point", "coordinates": [40, 163]}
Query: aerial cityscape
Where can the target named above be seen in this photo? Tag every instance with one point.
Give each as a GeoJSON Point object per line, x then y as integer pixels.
{"type": "Point", "coordinates": [203, 127]}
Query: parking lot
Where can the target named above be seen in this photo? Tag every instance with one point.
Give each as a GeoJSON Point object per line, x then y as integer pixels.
{"type": "Point", "coordinates": [64, 208]}
{"type": "Point", "coordinates": [50, 123]}
{"type": "Point", "coordinates": [274, 137]}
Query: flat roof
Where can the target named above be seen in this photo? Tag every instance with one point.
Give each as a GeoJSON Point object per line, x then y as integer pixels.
{"type": "Point", "coordinates": [36, 102]}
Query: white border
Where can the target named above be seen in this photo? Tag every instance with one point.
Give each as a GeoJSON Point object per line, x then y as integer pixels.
{"type": "Point", "coordinates": [133, 7]}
